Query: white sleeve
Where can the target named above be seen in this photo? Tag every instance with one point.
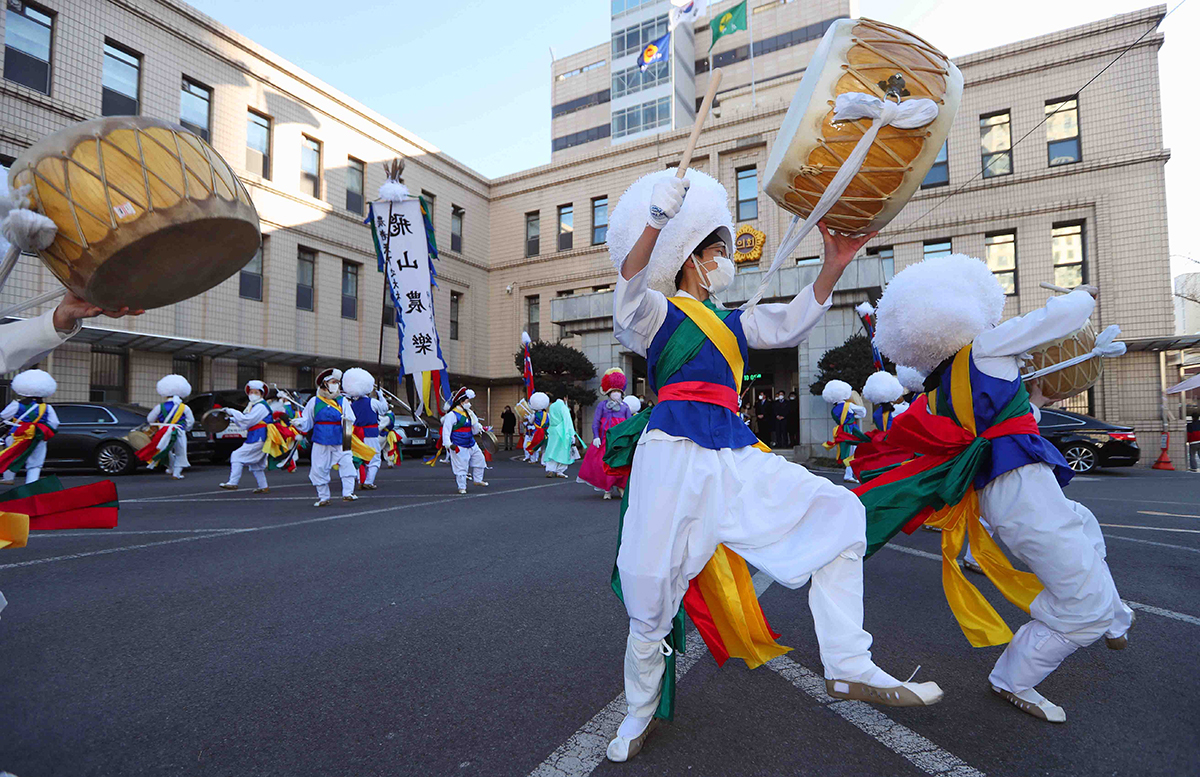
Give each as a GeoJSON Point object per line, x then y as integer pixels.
{"type": "Point", "coordinates": [347, 411]}
{"type": "Point", "coordinates": [152, 416]}
{"type": "Point", "coordinates": [304, 423]}
{"type": "Point", "coordinates": [783, 325]}
{"type": "Point", "coordinates": [638, 312]}
{"type": "Point", "coordinates": [189, 418]}
{"type": "Point", "coordinates": [379, 406]}
{"type": "Point", "coordinates": [447, 425]}
{"type": "Point", "coordinates": [25, 342]}
{"type": "Point", "coordinates": [51, 417]}
{"type": "Point", "coordinates": [1060, 317]}
{"type": "Point", "coordinates": [10, 410]}
{"type": "Point", "coordinates": [476, 426]}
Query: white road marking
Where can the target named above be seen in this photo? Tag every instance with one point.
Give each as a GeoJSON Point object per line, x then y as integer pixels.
{"type": "Point", "coordinates": [262, 498]}
{"type": "Point", "coordinates": [1149, 528]}
{"type": "Point", "coordinates": [1090, 498]}
{"type": "Point", "coordinates": [49, 535]}
{"type": "Point", "coordinates": [1152, 542]}
{"type": "Point", "coordinates": [584, 750]}
{"type": "Point", "coordinates": [1165, 613]}
{"type": "Point", "coordinates": [334, 516]}
{"type": "Point", "coordinates": [1167, 515]}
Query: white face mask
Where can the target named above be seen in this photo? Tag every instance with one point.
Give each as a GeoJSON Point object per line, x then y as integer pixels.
{"type": "Point", "coordinates": [615, 396]}
{"type": "Point", "coordinates": [716, 280]}
{"type": "Point", "coordinates": [466, 405]}
{"type": "Point", "coordinates": [255, 396]}
{"type": "Point", "coordinates": [333, 387]}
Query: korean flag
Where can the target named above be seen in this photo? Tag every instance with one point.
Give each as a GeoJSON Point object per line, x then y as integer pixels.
{"type": "Point", "coordinates": [655, 51]}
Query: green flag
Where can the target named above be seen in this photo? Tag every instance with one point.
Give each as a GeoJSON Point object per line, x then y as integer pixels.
{"type": "Point", "coordinates": [728, 22]}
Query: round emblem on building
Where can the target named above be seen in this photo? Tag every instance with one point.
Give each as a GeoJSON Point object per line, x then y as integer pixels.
{"type": "Point", "coordinates": [748, 244]}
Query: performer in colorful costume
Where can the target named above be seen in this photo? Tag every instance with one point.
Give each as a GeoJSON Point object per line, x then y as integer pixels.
{"type": "Point", "coordinates": [283, 442]}
{"type": "Point", "coordinates": [981, 453]}
{"type": "Point", "coordinates": [536, 423]}
{"type": "Point", "coordinates": [459, 427]}
{"type": "Point", "coordinates": [359, 384]}
{"type": "Point", "coordinates": [610, 411]}
{"type": "Point", "coordinates": [390, 447]}
{"type": "Point", "coordinates": [704, 496]}
{"type": "Point", "coordinates": [34, 422]}
{"type": "Point", "coordinates": [250, 455]}
{"type": "Point", "coordinates": [846, 434]}
{"type": "Point", "coordinates": [173, 420]}
{"type": "Point", "coordinates": [324, 416]}
{"type": "Point", "coordinates": [559, 451]}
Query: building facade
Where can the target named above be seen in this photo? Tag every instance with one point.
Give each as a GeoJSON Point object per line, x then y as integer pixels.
{"type": "Point", "coordinates": [1082, 197]}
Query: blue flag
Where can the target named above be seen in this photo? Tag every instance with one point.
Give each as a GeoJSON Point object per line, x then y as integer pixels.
{"type": "Point", "coordinates": [655, 51]}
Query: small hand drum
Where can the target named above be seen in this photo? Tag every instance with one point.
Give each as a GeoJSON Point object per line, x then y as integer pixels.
{"type": "Point", "coordinates": [486, 440]}
{"type": "Point", "coordinates": [148, 214]}
{"type": "Point", "coordinates": [1070, 381]}
{"type": "Point", "coordinates": [140, 437]}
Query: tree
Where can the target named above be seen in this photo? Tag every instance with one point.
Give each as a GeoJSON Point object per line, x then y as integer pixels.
{"type": "Point", "coordinates": [851, 361]}
{"type": "Point", "coordinates": [560, 371]}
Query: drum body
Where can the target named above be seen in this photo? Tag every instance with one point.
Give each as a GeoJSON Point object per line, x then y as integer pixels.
{"type": "Point", "coordinates": [1070, 381]}
{"type": "Point", "coordinates": [486, 441]}
{"type": "Point", "coordinates": [139, 437]}
{"type": "Point", "coordinates": [148, 214]}
{"type": "Point", "coordinates": [856, 55]}
{"type": "Point", "coordinates": [214, 421]}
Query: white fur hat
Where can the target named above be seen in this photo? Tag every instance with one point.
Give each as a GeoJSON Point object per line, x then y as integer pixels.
{"type": "Point", "coordinates": [539, 401]}
{"type": "Point", "coordinates": [256, 385]}
{"type": "Point", "coordinates": [705, 209]}
{"type": "Point", "coordinates": [933, 308]}
{"type": "Point", "coordinates": [911, 379]}
{"type": "Point", "coordinates": [882, 386]}
{"type": "Point", "coordinates": [173, 386]}
{"type": "Point", "coordinates": [34, 383]}
{"type": "Point", "coordinates": [357, 382]}
{"type": "Point", "coordinates": [836, 391]}
{"type": "Point", "coordinates": [633, 403]}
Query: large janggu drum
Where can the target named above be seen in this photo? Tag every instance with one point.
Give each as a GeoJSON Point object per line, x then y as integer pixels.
{"type": "Point", "coordinates": [148, 214]}
{"type": "Point", "coordinates": [870, 57]}
{"type": "Point", "coordinates": [1068, 381]}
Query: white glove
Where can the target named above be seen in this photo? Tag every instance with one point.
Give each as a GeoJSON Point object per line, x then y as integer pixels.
{"type": "Point", "coordinates": [666, 200]}
{"type": "Point", "coordinates": [858, 411]}
{"type": "Point", "coordinates": [595, 442]}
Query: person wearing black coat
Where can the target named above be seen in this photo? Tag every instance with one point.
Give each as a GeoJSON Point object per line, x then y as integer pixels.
{"type": "Point", "coordinates": [508, 426]}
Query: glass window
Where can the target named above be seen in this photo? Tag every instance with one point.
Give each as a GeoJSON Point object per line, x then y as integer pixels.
{"type": "Point", "coordinates": [119, 94]}
{"type": "Point", "coordinates": [248, 371]}
{"type": "Point", "coordinates": [349, 290]}
{"type": "Point", "coordinates": [932, 248]}
{"type": "Point", "coordinates": [995, 143]}
{"type": "Point", "coordinates": [638, 118]}
{"type": "Point", "coordinates": [533, 316]}
{"type": "Point", "coordinates": [633, 39]}
{"type": "Point", "coordinates": [566, 227]}
{"type": "Point", "coordinates": [456, 228]}
{"type": "Point", "coordinates": [1000, 252]}
{"type": "Point", "coordinates": [455, 305]}
{"type": "Point", "coordinates": [258, 144]}
{"type": "Point", "coordinates": [389, 310]}
{"type": "Point", "coordinates": [747, 193]}
{"type": "Point", "coordinates": [939, 174]}
{"type": "Point", "coordinates": [310, 166]}
{"type": "Point", "coordinates": [633, 80]}
{"type": "Point", "coordinates": [188, 367]}
{"type": "Point", "coordinates": [803, 261]}
{"type": "Point", "coordinates": [1066, 246]}
{"type": "Point", "coordinates": [1062, 132]}
{"type": "Point", "coordinates": [107, 382]}
{"type": "Point", "coordinates": [532, 233]}
{"type": "Point", "coordinates": [28, 33]}
{"type": "Point", "coordinates": [430, 202]}
{"type": "Point", "coordinates": [356, 173]}
{"type": "Point", "coordinates": [250, 280]}
{"type": "Point", "coordinates": [306, 264]}
{"type": "Point", "coordinates": [599, 220]}
{"type": "Point", "coordinates": [195, 107]}
{"type": "Point", "coordinates": [83, 414]}
{"type": "Point", "coordinates": [887, 256]}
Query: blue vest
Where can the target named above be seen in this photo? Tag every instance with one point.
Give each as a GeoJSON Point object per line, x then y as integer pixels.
{"type": "Point", "coordinates": [258, 435]}
{"type": "Point", "coordinates": [327, 423]}
{"type": "Point", "coordinates": [851, 424]}
{"type": "Point", "coordinates": [989, 396]}
{"type": "Point", "coordinates": [460, 433]}
{"type": "Point", "coordinates": [709, 426]}
{"type": "Point", "coordinates": [882, 423]}
{"type": "Point", "coordinates": [365, 416]}
{"type": "Point", "coordinates": [31, 408]}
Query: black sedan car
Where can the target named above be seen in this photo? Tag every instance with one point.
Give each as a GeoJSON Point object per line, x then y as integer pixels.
{"type": "Point", "coordinates": [93, 434]}
{"type": "Point", "coordinates": [1088, 442]}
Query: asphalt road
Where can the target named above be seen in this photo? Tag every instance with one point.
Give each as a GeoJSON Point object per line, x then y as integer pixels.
{"type": "Point", "coordinates": [418, 632]}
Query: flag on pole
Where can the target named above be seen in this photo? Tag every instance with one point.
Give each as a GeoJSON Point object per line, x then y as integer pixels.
{"type": "Point", "coordinates": [729, 22]}
{"type": "Point", "coordinates": [686, 12]}
{"type": "Point", "coordinates": [655, 51]}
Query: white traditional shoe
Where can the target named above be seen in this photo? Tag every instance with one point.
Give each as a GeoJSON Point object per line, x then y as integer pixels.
{"type": "Point", "coordinates": [177, 477]}
{"type": "Point", "coordinates": [368, 486]}
{"type": "Point", "coordinates": [320, 503]}
{"type": "Point", "coordinates": [607, 495]}
{"type": "Point", "coordinates": [479, 483]}
{"type": "Point", "coordinates": [621, 749]}
{"type": "Point", "coordinates": [263, 490]}
{"type": "Point", "coordinates": [1034, 703]}
{"type": "Point", "coordinates": [902, 695]}
{"type": "Point", "coordinates": [229, 486]}
{"type": "Point", "coordinates": [1121, 642]}
{"type": "Point", "coordinates": [462, 490]}
{"type": "Point", "coordinates": [350, 498]}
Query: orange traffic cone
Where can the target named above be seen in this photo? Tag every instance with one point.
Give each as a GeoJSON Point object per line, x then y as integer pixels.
{"type": "Point", "coordinates": [1164, 461]}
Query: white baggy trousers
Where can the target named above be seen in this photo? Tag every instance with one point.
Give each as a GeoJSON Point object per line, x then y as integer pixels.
{"type": "Point", "coordinates": [1060, 541]}
{"type": "Point", "coordinates": [465, 459]}
{"type": "Point", "coordinates": [324, 457]}
{"type": "Point", "coordinates": [33, 462]}
{"type": "Point", "coordinates": [373, 465]}
{"type": "Point", "coordinates": [685, 499]}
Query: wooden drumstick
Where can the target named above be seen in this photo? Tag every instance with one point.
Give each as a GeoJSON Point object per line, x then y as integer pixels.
{"type": "Point", "coordinates": [686, 159]}
{"type": "Point", "coordinates": [1052, 287]}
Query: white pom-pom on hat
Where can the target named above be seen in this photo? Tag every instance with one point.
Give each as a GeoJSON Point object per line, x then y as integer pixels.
{"type": "Point", "coordinates": [34, 383]}
{"type": "Point", "coordinates": [539, 401]}
{"type": "Point", "coordinates": [836, 391]}
{"type": "Point", "coordinates": [357, 382]}
{"type": "Point", "coordinates": [911, 379]}
{"type": "Point", "coordinates": [932, 309]}
{"type": "Point", "coordinates": [173, 386]}
{"type": "Point", "coordinates": [882, 386]}
{"type": "Point", "coordinates": [633, 403]}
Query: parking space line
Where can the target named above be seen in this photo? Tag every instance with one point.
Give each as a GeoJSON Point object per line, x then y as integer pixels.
{"type": "Point", "coordinates": [1090, 498]}
{"type": "Point", "coordinates": [1164, 613]}
{"type": "Point", "coordinates": [50, 535]}
{"type": "Point", "coordinates": [1152, 542]}
{"type": "Point", "coordinates": [261, 498]}
{"type": "Point", "coordinates": [1149, 528]}
{"type": "Point", "coordinates": [1167, 515]}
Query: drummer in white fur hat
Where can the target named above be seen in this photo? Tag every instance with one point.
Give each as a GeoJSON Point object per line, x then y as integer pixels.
{"type": "Point", "coordinates": [177, 418]}
{"type": "Point", "coordinates": [941, 316]}
{"type": "Point", "coordinates": [359, 385]}
{"type": "Point", "coordinates": [325, 415]}
{"type": "Point", "coordinates": [33, 420]}
{"type": "Point", "coordinates": [459, 427]}
{"type": "Point", "coordinates": [250, 455]}
{"type": "Point", "coordinates": [697, 478]}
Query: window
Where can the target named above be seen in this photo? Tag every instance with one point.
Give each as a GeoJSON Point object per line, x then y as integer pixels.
{"type": "Point", "coordinates": [533, 316]}
{"type": "Point", "coordinates": [430, 201]}
{"type": "Point", "coordinates": [532, 232]}
{"type": "Point", "coordinates": [633, 39]}
{"type": "Point", "coordinates": [621, 7]}
{"type": "Point", "coordinates": [803, 261]}
{"type": "Point", "coordinates": [1062, 132]}
{"type": "Point", "coordinates": [1066, 246]}
{"type": "Point", "coordinates": [638, 118]}
{"type": "Point", "coordinates": [305, 376]}
{"type": "Point", "coordinates": [389, 310]}
{"type": "Point", "coordinates": [599, 220]}
{"type": "Point", "coordinates": [119, 94]}
{"type": "Point", "coordinates": [306, 265]}
{"type": "Point", "coordinates": [887, 256]}
{"type": "Point", "coordinates": [1000, 252]}
{"type": "Point", "coordinates": [258, 144]}
{"type": "Point", "coordinates": [566, 227]}
{"type": "Point", "coordinates": [633, 80]}
{"type": "Point", "coordinates": [195, 107]}
{"type": "Point", "coordinates": [581, 70]}
{"type": "Point", "coordinates": [456, 228]}
{"type": "Point", "coordinates": [188, 367]}
{"type": "Point", "coordinates": [248, 371]}
{"type": "Point", "coordinates": [563, 142]}
{"type": "Point", "coordinates": [28, 33]}
{"type": "Point", "coordinates": [995, 143]}
{"type": "Point", "coordinates": [747, 193]}
{"type": "Point", "coordinates": [579, 103]}
{"type": "Point", "coordinates": [349, 290]}
{"type": "Point", "coordinates": [455, 305]}
{"type": "Point", "coordinates": [107, 382]}
{"type": "Point", "coordinates": [356, 173]}
{"type": "Point", "coordinates": [310, 166]}
{"type": "Point", "coordinates": [250, 280]}
{"type": "Point", "coordinates": [934, 248]}
{"type": "Point", "coordinates": [939, 174]}
{"type": "Point", "coordinates": [83, 414]}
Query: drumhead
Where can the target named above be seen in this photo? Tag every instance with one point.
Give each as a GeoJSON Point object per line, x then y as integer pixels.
{"type": "Point", "coordinates": [214, 421]}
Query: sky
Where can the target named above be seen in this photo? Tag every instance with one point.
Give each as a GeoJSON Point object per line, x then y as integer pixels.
{"type": "Point", "coordinates": [488, 64]}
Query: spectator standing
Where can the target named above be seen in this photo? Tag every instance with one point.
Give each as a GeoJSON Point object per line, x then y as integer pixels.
{"type": "Point", "coordinates": [508, 426]}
